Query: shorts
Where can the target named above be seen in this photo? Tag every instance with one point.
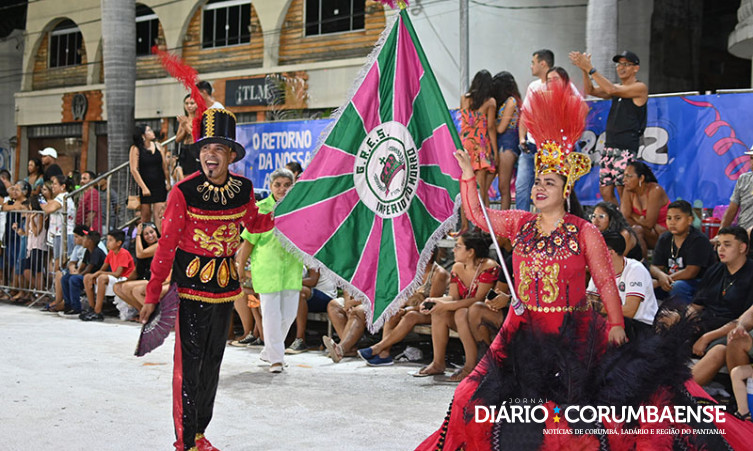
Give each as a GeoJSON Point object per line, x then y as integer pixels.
{"type": "Point", "coordinates": [318, 301]}
{"type": "Point", "coordinates": [723, 341]}
{"type": "Point", "coordinates": [35, 262]}
{"type": "Point", "coordinates": [112, 280]}
{"type": "Point", "coordinates": [509, 141]}
{"type": "Point", "coordinates": [57, 247]}
{"type": "Point", "coordinates": [613, 164]}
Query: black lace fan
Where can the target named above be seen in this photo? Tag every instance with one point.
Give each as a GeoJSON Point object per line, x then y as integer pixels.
{"type": "Point", "coordinates": [160, 323]}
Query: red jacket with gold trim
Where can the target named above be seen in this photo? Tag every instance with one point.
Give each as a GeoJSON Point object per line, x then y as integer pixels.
{"type": "Point", "coordinates": [201, 232]}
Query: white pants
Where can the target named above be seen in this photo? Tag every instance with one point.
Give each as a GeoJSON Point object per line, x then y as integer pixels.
{"type": "Point", "coordinates": [278, 311]}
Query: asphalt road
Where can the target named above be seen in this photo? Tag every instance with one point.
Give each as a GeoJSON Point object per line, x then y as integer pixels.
{"type": "Point", "coordinates": [70, 385]}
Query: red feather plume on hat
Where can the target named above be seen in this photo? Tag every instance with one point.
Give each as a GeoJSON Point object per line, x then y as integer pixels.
{"type": "Point", "coordinates": [187, 75]}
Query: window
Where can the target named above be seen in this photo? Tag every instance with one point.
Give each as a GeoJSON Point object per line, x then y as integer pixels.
{"type": "Point", "coordinates": [147, 30]}
{"type": "Point", "coordinates": [65, 45]}
{"type": "Point", "coordinates": [226, 22]}
{"type": "Point", "coordinates": [333, 16]}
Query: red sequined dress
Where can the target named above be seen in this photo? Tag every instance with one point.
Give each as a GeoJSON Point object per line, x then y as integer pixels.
{"type": "Point", "coordinates": [556, 353]}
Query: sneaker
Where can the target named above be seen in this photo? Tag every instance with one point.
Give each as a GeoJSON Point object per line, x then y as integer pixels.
{"type": "Point", "coordinates": [91, 316]}
{"type": "Point", "coordinates": [202, 444]}
{"type": "Point", "coordinates": [379, 361]}
{"type": "Point", "coordinates": [366, 354]}
{"type": "Point", "coordinates": [69, 313]}
{"type": "Point", "coordinates": [257, 343]}
{"type": "Point", "coordinates": [276, 368]}
{"type": "Point", "coordinates": [298, 346]}
{"type": "Point", "coordinates": [245, 341]}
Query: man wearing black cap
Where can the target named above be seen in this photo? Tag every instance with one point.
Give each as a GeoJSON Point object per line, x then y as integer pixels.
{"type": "Point", "coordinates": [627, 117]}
{"type": "Point", "coordinates": [201, 232]}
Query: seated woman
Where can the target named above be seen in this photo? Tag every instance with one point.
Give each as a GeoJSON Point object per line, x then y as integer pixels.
{"type": "Point", "coordinates": [607, 218]}
{"type": "Point", "coordinates": [644, 204]}
{"type": "Point", "coordinates": [435, 281]}
{"type": "Point", "coordinates": [486, 317]}
{"type": "Point", "coordinates": [473, 275]}
{"type": "Point", "coordinates": [133, 292]}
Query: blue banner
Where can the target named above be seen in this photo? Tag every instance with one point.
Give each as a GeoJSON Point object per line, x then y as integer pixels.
{"type": "Point", "coordinates": [272, 145]}
{"type": "Point", "coordinates": [695, 145]}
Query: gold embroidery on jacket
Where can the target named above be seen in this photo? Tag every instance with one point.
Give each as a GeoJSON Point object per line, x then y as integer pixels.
{"type": "Point", "coordinates": [207, 272]}
{"type": "Point", "coordinates": [224, 241]}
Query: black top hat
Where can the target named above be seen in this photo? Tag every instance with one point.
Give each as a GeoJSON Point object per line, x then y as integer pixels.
{"type": "Point", "coordinates": [218, 126]}
{"type": "Point", "coordinates": [628, 55]}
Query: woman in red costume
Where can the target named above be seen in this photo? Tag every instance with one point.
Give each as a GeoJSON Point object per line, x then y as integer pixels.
{"type": "Point", "coordinates": [558, 352]}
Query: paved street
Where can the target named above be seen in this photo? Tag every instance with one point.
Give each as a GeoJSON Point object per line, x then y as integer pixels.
{"type": "Point", "coordinates": [70, 385]}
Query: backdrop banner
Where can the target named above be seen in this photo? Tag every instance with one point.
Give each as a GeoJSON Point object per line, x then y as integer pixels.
{"type": "Point", "coordinates": [694, 145]}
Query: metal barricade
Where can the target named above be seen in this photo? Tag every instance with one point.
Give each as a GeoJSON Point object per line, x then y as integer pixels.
{"type": "Point", "coordinates": [27, 272]}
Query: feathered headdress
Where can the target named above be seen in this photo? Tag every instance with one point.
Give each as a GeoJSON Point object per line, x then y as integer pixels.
{"type": "Point", "coordinates": [556, 118]}
{"type": "Point", "coordinates": [187, 75]}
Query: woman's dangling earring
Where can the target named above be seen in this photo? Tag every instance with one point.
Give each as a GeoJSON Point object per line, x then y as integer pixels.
{"type": "Point", "coordinates": [640, 183]}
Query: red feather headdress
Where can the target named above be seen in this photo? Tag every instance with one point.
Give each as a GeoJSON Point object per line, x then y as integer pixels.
{"type": "Point", "coordinates": [187, 75]}
{"type": "Point", "coordinates": [556, 118]}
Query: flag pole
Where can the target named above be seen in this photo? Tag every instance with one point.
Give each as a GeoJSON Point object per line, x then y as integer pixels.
{"type": "Point", "coordinates": [515, 303]}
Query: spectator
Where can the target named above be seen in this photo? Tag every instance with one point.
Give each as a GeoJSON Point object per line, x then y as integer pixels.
{"type": "Point", "coordinates": [317, 291]}
{"type": "Point", "coordinates": [49, 162]}
{"type": "Point", "coordinates": [74, 263]}
{"type": "Point", "coordinates": [88, 211]}
{"type": "Point", "coordinates": [473, 275]}
{"type": "Point", "coordinates": [349, 321]}
{"type": "Point", "coordinates": [73, 282]}
{"type": "Point", "coordinates": [486, 317]}
{"type": "Point", "coordinates": [724, 294]}
{"type": "Point", "coordinates": [117, 267]}
{"type": "Point", "coordinates": [478, 110]}
{"type": "Point", "coordinates": [740, 337]}
{"type": "Point", "coordinates": [627, 116]}
{"type": "Point", "coordinates": [149, 168]}
{"type": "Point", "coordinates": [205, 89]}
{"type": "Point", "coordinates": [133, 291]}
{"type": "Point", "coordinates": [644, 204]}
{"type": "Point", "coordinates": [634, 284]}
{"type": "Point", "coordinates": [681, 256]}
{"type": "Point", "coordinates": [36, 176]}
{"type": "Point", "coordinates": [434, 285]}
{"type": "Point", "coordinates": [559, 75]}
{"type": "Point", "coordinates": [507, 97]}
{"type": "Point", "coordinates": [5, 178]}
{"type": "Point", "coordinates": [34, 264]}
{"type": "Point", "coordinates": [276, 274]}
{"type": "Point", "coordinates": [741, 201]}
{"type": "Point", "coordinates": [248, 308]}
{"type": "Point", "coordinates": [541, 62]}
{"type": "Point", "coordinates": [607, 218]}
{"type": "Point", "coordinates": [295, 168]}
{"type": "Point", "coordinates": [61, 185]}
{"type": "Point", "coordinates": [188, 160]}
{"type": "Point", "coordinates": [15, 244]}
{"type": "Point", "coordinates": [113, 208]}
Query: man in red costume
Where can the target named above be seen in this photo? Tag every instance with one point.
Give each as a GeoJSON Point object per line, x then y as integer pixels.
{"type": "Point", "coordinates": [200, 235]}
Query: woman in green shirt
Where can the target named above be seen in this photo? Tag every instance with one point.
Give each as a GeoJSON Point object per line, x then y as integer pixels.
{"type": "Point", "coordinates": [276, 276]}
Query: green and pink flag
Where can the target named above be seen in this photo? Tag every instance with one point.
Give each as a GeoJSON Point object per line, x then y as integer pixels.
{"type": "Point", "coordinates": [382, 186]}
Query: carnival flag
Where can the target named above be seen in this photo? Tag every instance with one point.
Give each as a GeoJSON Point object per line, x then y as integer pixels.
{"type": "Point", "coordinates": [382, 186]}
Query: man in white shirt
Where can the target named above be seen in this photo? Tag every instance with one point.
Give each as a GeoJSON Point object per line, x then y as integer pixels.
{"type": "Point", "coordinates": [634, 284]}
{"type": "Point", "coordinates": [541, 62]}
{"type": "Point", "coordinates": [205, 88]}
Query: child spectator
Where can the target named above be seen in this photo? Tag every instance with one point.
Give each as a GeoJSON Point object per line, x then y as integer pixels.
{"type": "Point", "coordinates": [61, 185]}
{"type": "Point", "coordinates": [634, 284]}
{"type": "Point", "coordinates": [15, 244]}
{"type": "Point", "coordinates": [34, 264]}
{"type": "Point", "coordinates": [146, 245]}
{"type": "Point", "coordinates": [681, 256]}
{"type": "Point", "coordinates": [74, 263]}
{"type": "Point", "coordinates": [607, 218]}
{"type": "Point", "coordinates": [73, 282]}
{"type": "Point", "coordinates": [317, 291]}
{"type": "Point", "coordinates": [117, 267]}
{"type": "Point", "coordinates": [36, 176]}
